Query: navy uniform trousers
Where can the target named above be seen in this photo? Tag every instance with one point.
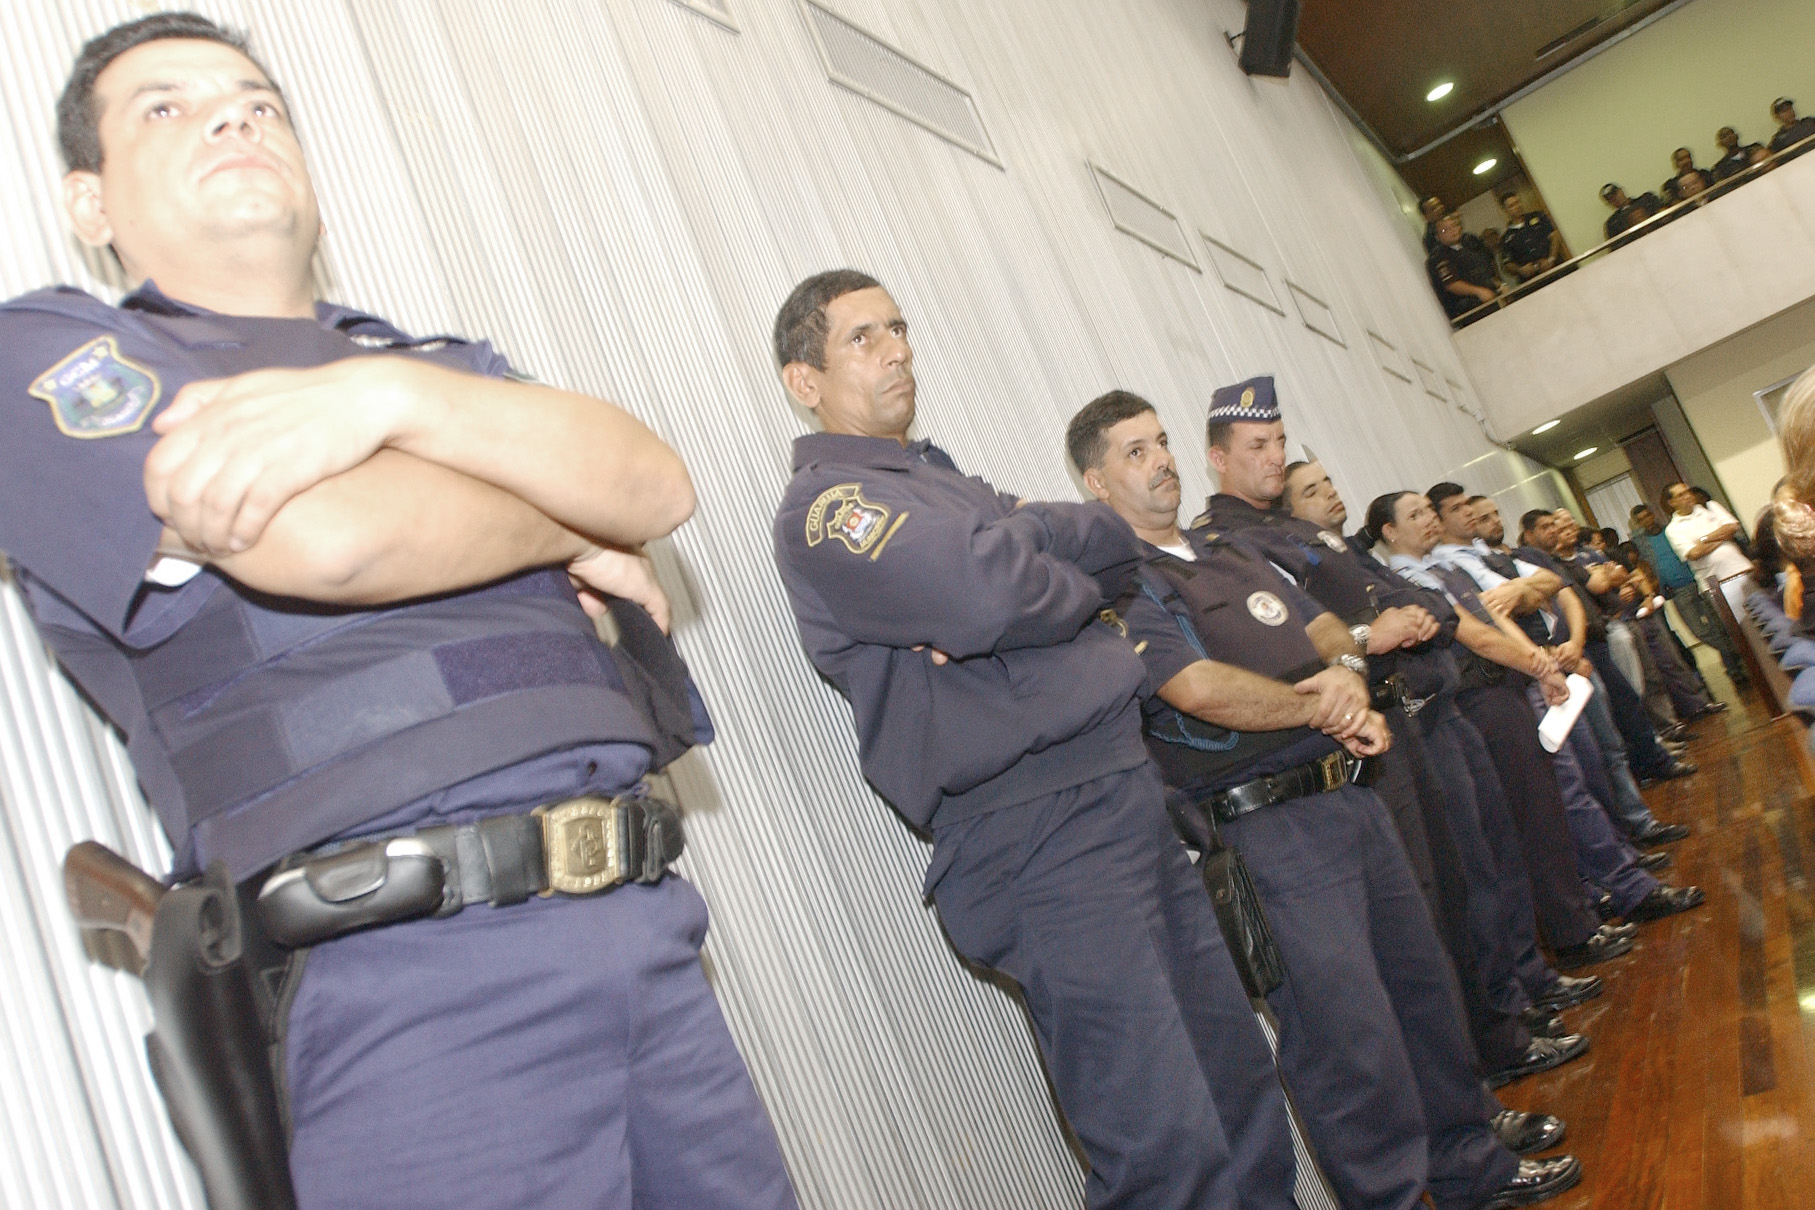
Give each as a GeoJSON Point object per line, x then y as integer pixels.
{"type": "Point", "coordinates": [1624, 802]}
{"type": "Point", "coordinates": [1646, 755]}
{"type": "Point", "coordinates": [1603, 857]}
{"type": "Point", "coordinates": [1501, 714]}
{"type": "Point", "coordinates": [571, 1051]}
{"type": "Point", "coordinates": [1418, 798]}
{"type": "Point", "coordinates": [1371, 1038]}
{"type": "Point", "coordinates": [1501, 913]}
{"type": "Point", "coordinates": [1087, 900]}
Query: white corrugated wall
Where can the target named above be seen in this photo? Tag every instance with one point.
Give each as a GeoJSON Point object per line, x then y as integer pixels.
{"type": "Point", "coordinates": [620, 193]}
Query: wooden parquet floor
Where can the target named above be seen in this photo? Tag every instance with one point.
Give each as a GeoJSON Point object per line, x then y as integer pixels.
{"type": "Point", "coordinates": [1699, 1089]}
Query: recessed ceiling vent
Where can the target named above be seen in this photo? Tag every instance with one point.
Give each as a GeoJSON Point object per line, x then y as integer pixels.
{"type": "Point", "coordinates": [1138, 215]}
{"type": "Point", "coordinates": [870, 67]}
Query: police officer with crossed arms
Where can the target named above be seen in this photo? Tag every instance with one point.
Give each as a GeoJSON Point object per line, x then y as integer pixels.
{"type": "Point", "coordinates": [318, 571]}
{"type": "Point", "coordinates": [1256, 714]}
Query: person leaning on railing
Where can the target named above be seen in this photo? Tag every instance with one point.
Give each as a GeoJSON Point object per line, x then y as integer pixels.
{"type": "Point", "coordinates": [1462, 270]}
{"type": "Point", "coordinates": [1736, 157]}
{"type": "Point", "coordinates": [1628, 212]}
{"type": "Point", "coordinates": [1792, 131]}
{"type": "Point", "coordinates": [1633, 217]}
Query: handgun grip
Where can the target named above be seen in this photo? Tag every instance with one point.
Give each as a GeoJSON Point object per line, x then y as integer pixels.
{"type": "Point", "coordinates": [114, 902]}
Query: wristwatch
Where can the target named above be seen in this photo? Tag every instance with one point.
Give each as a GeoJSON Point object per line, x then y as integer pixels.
{"type": "Point", "coordinates": [1361, 632]}
{"type": "Point", "coordinates": [1354, 663]}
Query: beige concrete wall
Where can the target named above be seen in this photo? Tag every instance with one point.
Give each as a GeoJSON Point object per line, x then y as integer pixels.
{"type": "Point", "coordinates": [1715, 389]}
{"type": "Point", "coordinates": [1618, 117]}
{"type": "Point", "coordinates": [1608, 464]}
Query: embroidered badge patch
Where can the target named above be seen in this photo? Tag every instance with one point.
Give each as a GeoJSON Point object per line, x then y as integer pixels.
{"type": "Point", "coordinates": [841, 512]}
{"type": "Point", "coordinates": [97, 392]}
{"type": "Point", "coordinates": [1267, 608]}
{"type": "Point", "coordinates": [1331, 540]}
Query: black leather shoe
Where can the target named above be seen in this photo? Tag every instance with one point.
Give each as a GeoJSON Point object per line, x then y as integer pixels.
{"type": "Point", "coordinates": [1542, 1055]}
{"type": "Point", "coordinates": [1713, 707]}
{"type": "Point", "coordinates": [1670, 772]}
{"type": "Point", "coordinates": [1654, 861]}
{"type": "Point", "coordinates": [1538, 1180]}
{"type": "Point", "coordinates": [1598, 948]}
{"type": "Point", "coordinates": [1665, 901]}
{"type": "Point", "coordinates": [1662, 833]}
{"type": "Point", "coordinates": [1603, 907]}
{"type": "Point", "coordinates": [1677, 733]}
{"type": "Point", "coordinates": [1524, 1133]}
{"type": "Point", "coordinates": [1567, 992]}
{"type": "Point", "coordinates": [1542, 1022]}
{"type": "Point", "coordinates": [1623, 931]}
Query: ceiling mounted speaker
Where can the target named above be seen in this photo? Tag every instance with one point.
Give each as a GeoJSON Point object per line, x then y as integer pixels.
{"type": "Point", "coordinates": [1268, 37]}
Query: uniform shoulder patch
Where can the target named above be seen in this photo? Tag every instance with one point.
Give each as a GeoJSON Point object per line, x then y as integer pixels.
{"type": "Point", "coordinates": [97, 392]}
{"type": "Point", "coordinates": [1267, 608]}
{"type": "Point", "coordinates": [841, 512]}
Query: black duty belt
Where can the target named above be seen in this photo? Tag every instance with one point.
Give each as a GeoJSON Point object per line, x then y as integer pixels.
{"type": "Point", "coordinates": [1332, 772]}
{"type": "Point", "coordinates": [580, 846]}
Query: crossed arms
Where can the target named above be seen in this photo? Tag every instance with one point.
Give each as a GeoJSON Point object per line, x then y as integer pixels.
{"type": "Point", "coordinates": [383, 478]}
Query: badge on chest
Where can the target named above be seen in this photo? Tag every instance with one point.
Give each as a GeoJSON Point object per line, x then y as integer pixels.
{"type": "Point", "coordinates": [97, 392]}
{"type": "Point", "coordinates": [1267, 608]}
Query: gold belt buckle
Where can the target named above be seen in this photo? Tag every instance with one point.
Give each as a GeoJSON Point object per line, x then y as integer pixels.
{"type": "Point", "coordinates": [581, 845]}
{"type": "Point", "coordinates": [1335, 771]}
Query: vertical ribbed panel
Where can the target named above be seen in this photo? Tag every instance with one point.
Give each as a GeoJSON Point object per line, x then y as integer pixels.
{"type": "Point", "coordinates": [619, 194]}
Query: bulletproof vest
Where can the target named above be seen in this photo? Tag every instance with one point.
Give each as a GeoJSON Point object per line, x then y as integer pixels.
{"type": "Point", "coordinates": [1531, 623]}
{"type": "Point", "coordinates": [1574, 577]}
{"type": "Point", "coordinates": [286, 722]}
{"type": "Point", "coordinates": [1188, 750]}
{"type": "Point", "coordinates": [1336, 579]}
{"type": "Point", "coordinates": [1476, 672]}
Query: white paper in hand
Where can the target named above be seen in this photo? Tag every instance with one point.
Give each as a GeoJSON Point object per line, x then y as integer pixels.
{"type": "Point", "coordinates": [1553, 729]}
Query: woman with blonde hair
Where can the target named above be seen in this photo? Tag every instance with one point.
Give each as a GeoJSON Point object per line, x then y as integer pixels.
{"type": "Point", "coordinates": [1794, 510]}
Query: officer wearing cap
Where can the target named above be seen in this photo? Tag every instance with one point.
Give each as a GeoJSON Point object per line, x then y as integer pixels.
{"type": "Point", "coordinates": [1461, 269]}
{"type": "Point", "coordinates": [318, 572]}
{"type": "Point", "coordinates": [1256, 711]}
{"type": "Point", "coordinates": [1791, 130]}
{"type": "Point", "coordinates": [997, 710]}
{"type": "Point", "coordinates": [1409, 638]}
{"type": "Point", "coordinates": [1627, 212]}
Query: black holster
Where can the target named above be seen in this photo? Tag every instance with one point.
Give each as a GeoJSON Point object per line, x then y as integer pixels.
{"type": "Point", "coordinates": [208, 1048]}
{"type": "Point", "coordinates": [1234, 899]}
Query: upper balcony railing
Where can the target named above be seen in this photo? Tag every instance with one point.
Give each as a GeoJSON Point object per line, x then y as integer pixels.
{"type": "Point", "coordinates": [1668, 214]}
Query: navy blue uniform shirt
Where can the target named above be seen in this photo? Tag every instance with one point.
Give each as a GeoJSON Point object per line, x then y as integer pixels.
{"type": "Point", "coordinates": [884, 549]}
{"type": "Point", "coordinates": [1254, 618]}
{"type": "Point", "coordinates": [1528, 240]}
{"type": "Point", "coordinates": [82, 381]}
{"type": "Point", "coordinates": [1352, 586]}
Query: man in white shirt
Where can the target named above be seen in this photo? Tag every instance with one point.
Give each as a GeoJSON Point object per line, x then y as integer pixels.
{"type": "Point", "coordinates": [1702, 535]}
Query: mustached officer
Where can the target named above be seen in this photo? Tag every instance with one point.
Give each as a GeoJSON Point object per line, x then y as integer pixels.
{"type": "Point", "coordinates": [1257, 715]}
{"type": "Point", "coordinates": [996, 712]}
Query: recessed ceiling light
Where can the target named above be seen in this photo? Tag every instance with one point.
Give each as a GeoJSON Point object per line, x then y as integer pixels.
{"type": "Point", "coordinates": [1486, 165]}
{"type": "Point", "coordinates": [1442, 90]}
{"type": "Point", "coordinates": [1545, 427]}
{"type": "Point", "coordinates": [1581, 454]}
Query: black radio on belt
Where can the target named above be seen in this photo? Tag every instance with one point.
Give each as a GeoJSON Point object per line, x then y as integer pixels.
{"type": "Point", "coordinates": [581, 846]}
